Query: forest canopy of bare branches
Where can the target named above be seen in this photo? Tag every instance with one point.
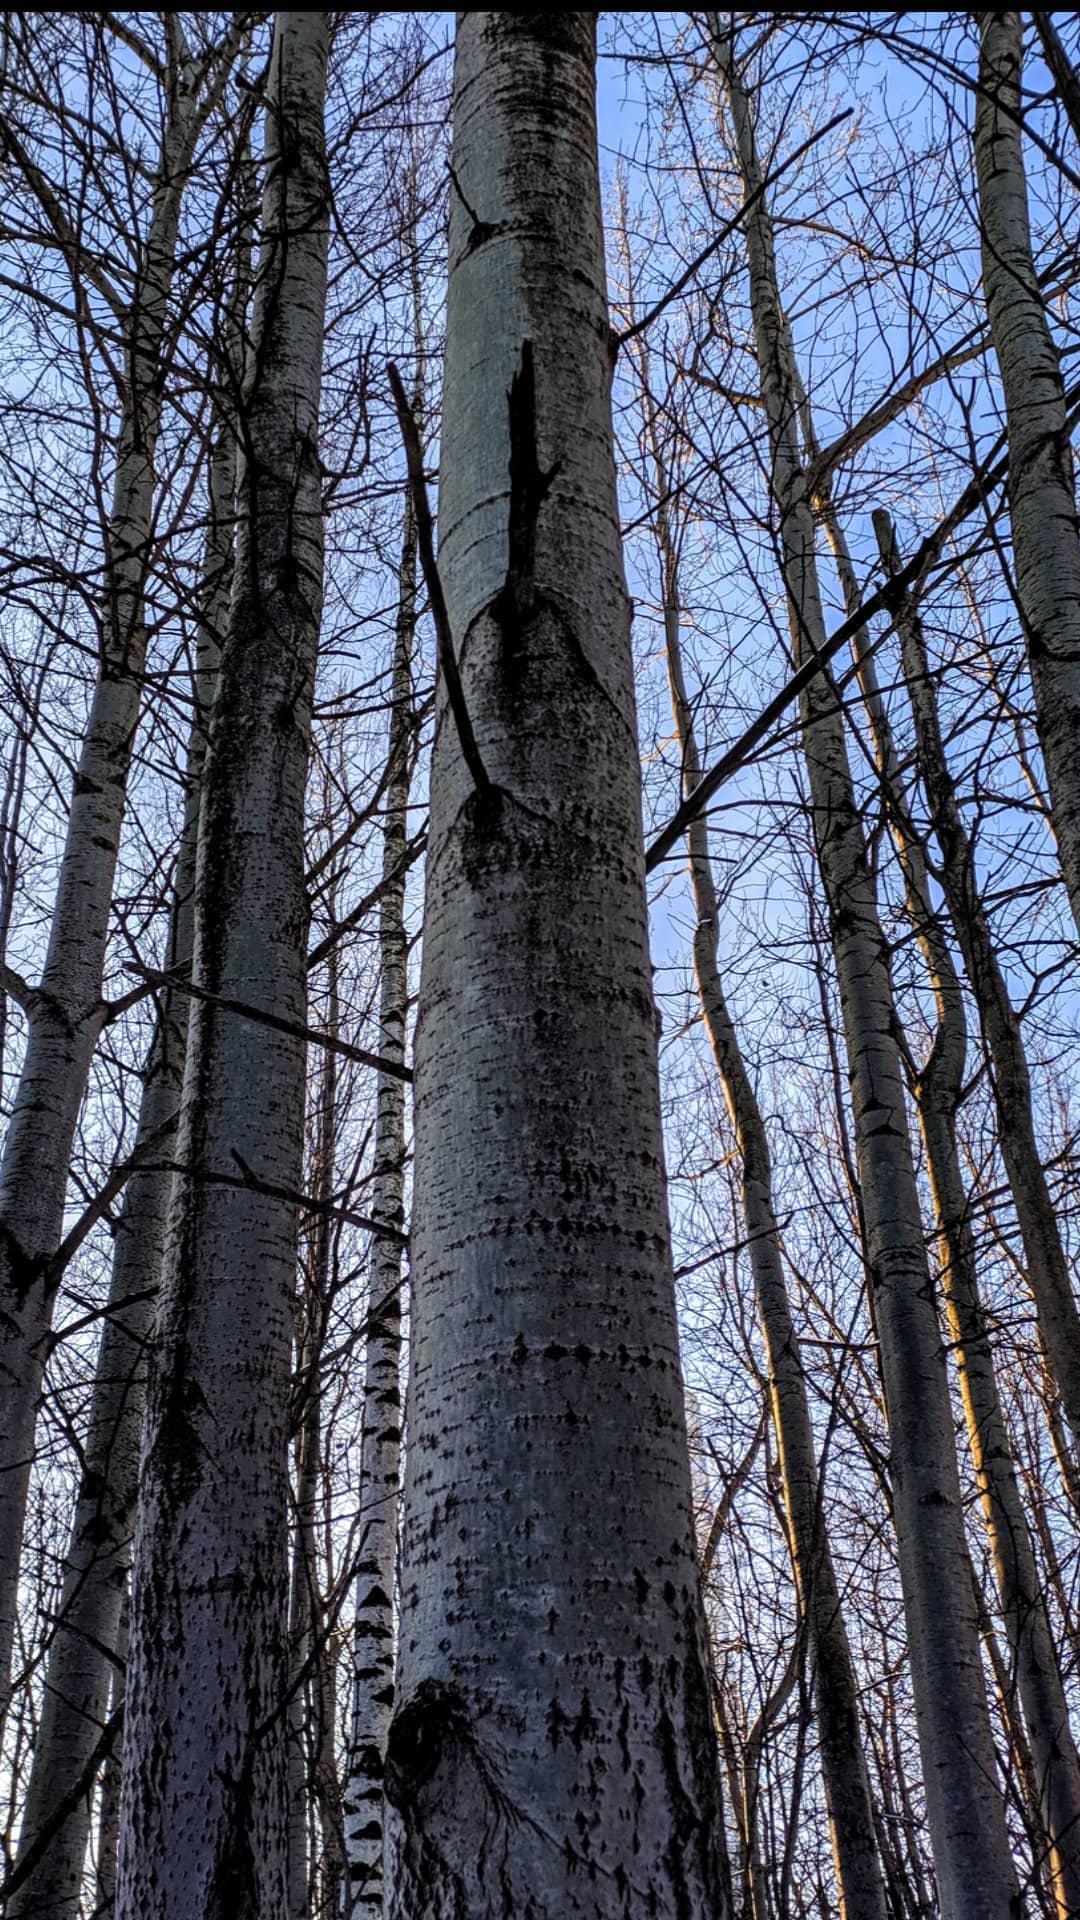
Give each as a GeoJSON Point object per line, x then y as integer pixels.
{"type": "Point", "coordinates": [539, 916]}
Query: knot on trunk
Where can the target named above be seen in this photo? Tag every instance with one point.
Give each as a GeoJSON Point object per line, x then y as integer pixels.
{"type": "Point", "coordinates": [456, 1823]}
{"type": "Point", "coordinates": [428, 1729]}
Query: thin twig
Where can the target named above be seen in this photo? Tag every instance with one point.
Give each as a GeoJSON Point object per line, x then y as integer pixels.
{"type": "Point", "coordinates": [887, 599]}
{"type": "Point", "coordinates": [748, 205]}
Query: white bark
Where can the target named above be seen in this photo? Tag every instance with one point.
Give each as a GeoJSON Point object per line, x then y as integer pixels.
{"type": "Point", "coordinates": [1045, 1263]}
{"type": "Point", "coordinates": [65, 1013]}
{"type": "Point", "coordinates": [304, 1621]}
{"type": "Point", "coordinates": [1042, 486]}
{"type": "Point", "coordinates": [380, 1469]}
{"type": "Point", "coordinates": [204, 1816]}
{"type": "Point", "coordinates": [309, 1651]}
{"type": "Point", "coordinates": [552, 1748]}
{"type": "Point", "coordinates": [1036, 1669]}
{"type": "Point", "coordinates": [81, 1667]}
{"type": "Point", "coordinates": [966, 1812]}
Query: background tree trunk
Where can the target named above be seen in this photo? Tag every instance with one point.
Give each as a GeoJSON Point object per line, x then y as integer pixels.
{"type": "Point", "coordinates": [81, 1668]}
{"type": "Point", "coordinates": [1036, 1666]}
{"type": "Point", "coordinates": [847, 1789]}
{"type": "Point", "coordinates": [1042, 483]}
{"type": "Point", "coordinates": [373, 1629]}
{"type": "Point", "coordinates": [65, 1012]}
{"type": "Point", "coordinates": [204, 1818]}
{"type": "Point", "coordinates": [965, 1806]}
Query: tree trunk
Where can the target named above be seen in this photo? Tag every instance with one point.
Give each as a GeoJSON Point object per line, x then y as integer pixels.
{"type": "Point", "coordinates": [373, 1675]}
{"type": "Point", "coordinates": [938, 1093]}
{"type": "Point", "coordinates": [81, 1659]}
{"type": "Point", "coordinates": [847, 1787]}
{"type": "Point", "coordinates": [204, 1819]}
{"type": "Point", "coordinates": [307, 1623]}
{"type": "Point", "coordinates": [1046, 1266]}
{"type": "Point", "coordinates": [552, 1748]}
{"type": "Point", "coordinates": [109, 1815]}
{"type": "Point", "coordinates": [65, 1011]}
{"type": "Point", "coordinates": [964, 1802]}
{"type": "Point", "coordinates": [1042, 487]}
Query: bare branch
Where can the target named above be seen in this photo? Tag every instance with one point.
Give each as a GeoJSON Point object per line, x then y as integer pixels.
{"type": "Point", "coordinates": [294, 1028]}
{"type": "Point", "coordinates": [748, 205]}
{"type": "Point", "coordinates": [455, 692]}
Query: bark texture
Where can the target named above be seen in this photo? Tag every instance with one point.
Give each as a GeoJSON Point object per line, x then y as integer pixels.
{"type": "Point", "coordinates": [204, 1816]}
{"type": "Point", "coordinates": [552, 1751]}
{"type": "Point", "coordinates": [1042, 482]}
{"type": "Point", "coordinates": [964, 1802]}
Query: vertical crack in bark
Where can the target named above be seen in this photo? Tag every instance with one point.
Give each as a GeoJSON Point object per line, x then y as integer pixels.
{"type": "Point", "coordinates": [530, 484]}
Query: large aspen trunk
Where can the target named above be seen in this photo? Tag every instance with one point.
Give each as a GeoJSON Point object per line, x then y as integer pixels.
{"type": "Point", "coordinates": [1036, 1665]}
{"type": "Point", "coordinates": [966, 1811]}
{"type": "Point", "coordinates": [1042, 484]}
{"type": "Point", "coordinates": [551, 1750]}
{"type": "Point", "coordinates": [850, 1808]}
{"type": "Point", "coordinates": [204, 1818]}
{"type": "Point", "coordinates": [380, 1463]}
{"type": "Point", "coordinates": [65, 1011]}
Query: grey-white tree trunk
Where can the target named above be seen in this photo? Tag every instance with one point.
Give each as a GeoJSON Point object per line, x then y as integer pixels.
{"type": "Point", "coordinates": [204, 1818]}
{"type": "Point", "coordinates": [860, 1891]}
{"type": "Point", "coordinates": [1036, 1664]}
{"type": "Point", "coordinates": [1042, 483]}
{"type": "Point", "coordinates": [65, 1010]}
{"type": "Point", "coordinates": [552, 1749]}
{"type": "Point", "coordinates": [81, 1668]}
{"type": "Point", "coordinates": [305, 1622]}
{"type": "Point", "coordinates": [81, 1658]}
{"type": "Point", "coordinates": [311, 1652]}
{"type": "Point", "coordinates": [380, 1462]}
{"type": "Point", "coordinates": [1045, 1263]}
{"type": "Point", "coordinates": [966, 1811]}
{"type": "Point", "coordinates": [1036, 1669]}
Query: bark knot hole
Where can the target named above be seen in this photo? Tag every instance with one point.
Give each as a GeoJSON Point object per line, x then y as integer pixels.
{"type": "Point", "coordinates": [434, 1720]}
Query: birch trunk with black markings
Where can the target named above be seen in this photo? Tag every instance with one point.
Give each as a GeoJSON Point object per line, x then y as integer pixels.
{"type": "Point", "coordinates": [380, 1464]}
